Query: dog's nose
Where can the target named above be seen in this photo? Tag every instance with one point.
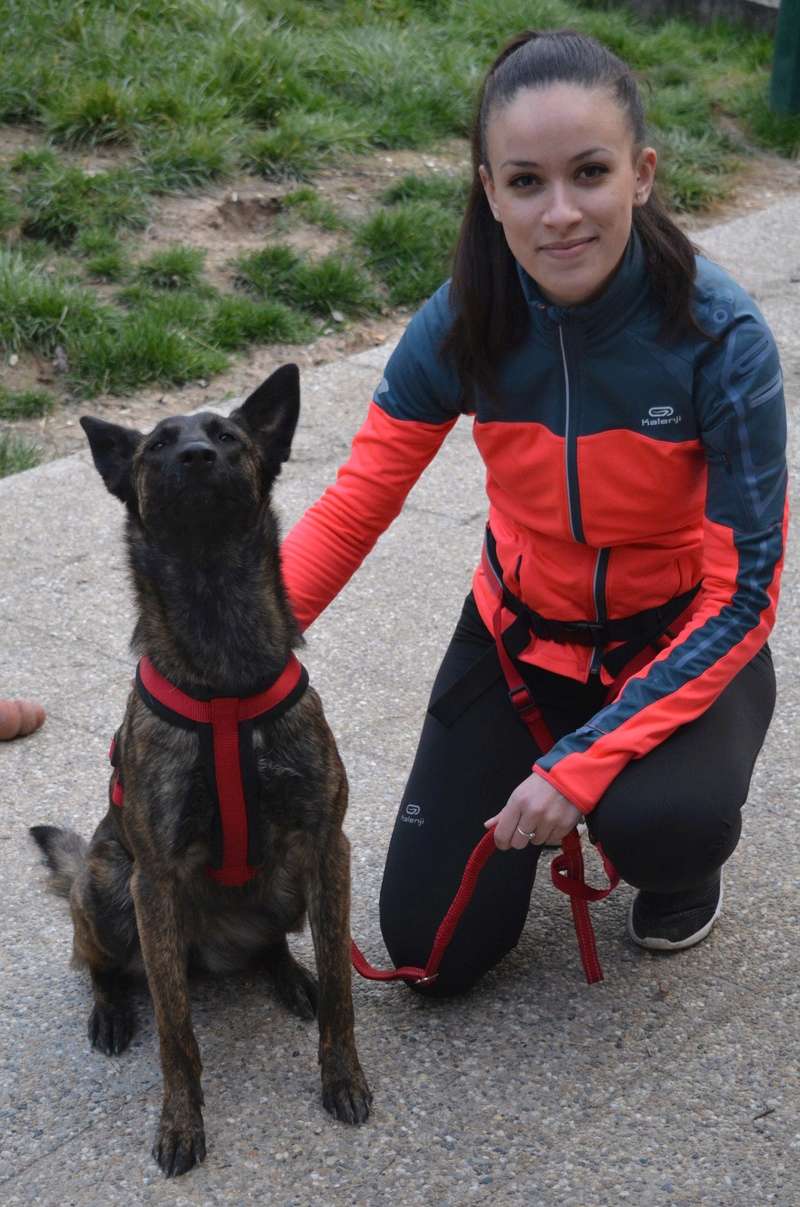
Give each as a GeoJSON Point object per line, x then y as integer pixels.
{"type": "Point", "coordinates": [197, 455]}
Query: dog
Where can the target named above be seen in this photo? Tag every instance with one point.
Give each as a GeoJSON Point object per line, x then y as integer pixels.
{"type": "Point", "coordinates": [181, 871]}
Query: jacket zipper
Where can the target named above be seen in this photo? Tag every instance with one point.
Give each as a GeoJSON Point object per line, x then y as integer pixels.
{"type": "Point", "coordinates": [570, 451]}
{"type": "Point", "coordinates": [573, 502]}
{"type": "Point", "coordinates": [599, 597]}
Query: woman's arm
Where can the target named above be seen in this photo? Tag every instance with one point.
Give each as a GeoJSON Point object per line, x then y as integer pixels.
{"type": "Point", "coordinates": [415, 406]}
{"type": "Point", "coordinates": [330, 541]}
{"type": "Point", "coordinates": [740, 405]}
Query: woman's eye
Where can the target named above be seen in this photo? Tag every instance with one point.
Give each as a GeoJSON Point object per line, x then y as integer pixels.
{"type": "Point", "coordinates": [524, 182]}
{"type": "Point", "coordinates": [593, 171]}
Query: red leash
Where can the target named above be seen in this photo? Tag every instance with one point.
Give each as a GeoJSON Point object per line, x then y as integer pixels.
{"type": "Point", "coordinates": [566, 869]}
{"type": "Point", "coordinates": [475, 865]}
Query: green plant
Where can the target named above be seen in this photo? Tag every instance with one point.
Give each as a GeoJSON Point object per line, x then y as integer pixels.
{"type": "Point", "coordinates": [38, 311]}
{"type": "Point", "coordinates": [137, 350]}
{"type": "Point", "coordinates": [25, 404]}
{"type": "Point", "coordinates": [299, 143]}
{"type": "Point", "coordinates": [409, 247]}
{"type": "Point", "coordinates": [448, 191]}
{"type": "Point", "coordinates": [184, 159]}
{"type": "Point", "coordinates": [34, 159]}
{"type": "Point", "coordinates": [61, 202]}
{"type": "Point", "coordinates": [333, 283]}
{"type": "Point", "coordinates": [9, 210]}
{"type": "Point", "coordinates": [17, 454]}
{"type": "Point", "coordinates": [693, 171]}
{"type": "Point", "coordinates": [92, 111]}
{"type": "Point", "coordinates": [312, 208]}
{"type": "Point", "coordinates": [235, 322]}
{"type": "Point", "coordinates": [780, 131]}
{"type": "Point", "coordinates": [175, 267]}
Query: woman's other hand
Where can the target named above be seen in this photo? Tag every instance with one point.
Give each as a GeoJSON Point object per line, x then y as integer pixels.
{"type": "Point", "coordinates": [536, 813]}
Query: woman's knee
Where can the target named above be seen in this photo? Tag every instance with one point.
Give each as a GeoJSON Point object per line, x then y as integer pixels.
{"type": "Point", "coordinates": [665, 844]}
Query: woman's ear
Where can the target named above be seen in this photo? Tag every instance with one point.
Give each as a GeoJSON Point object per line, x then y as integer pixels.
{"type": "Point", "coordinates": [488, 188]}
{"type": "Point", "coordinates": [645, 166]}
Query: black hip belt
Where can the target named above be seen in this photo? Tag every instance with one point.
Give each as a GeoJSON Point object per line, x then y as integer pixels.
{"type": "Point", "coordinates": [629, 635]}
{"type": "Point", "coordinates": [635, 632]}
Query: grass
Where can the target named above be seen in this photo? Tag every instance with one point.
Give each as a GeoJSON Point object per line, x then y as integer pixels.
{"type": "Point", "coordinates": [181, 95]}
{"type": "Point", "coordinates": [301, 143]}
{"type": "Point", "coordinates": [105, 257]}
{"type": "Point", "coordinates": [60, 202]}
{"type": "Point", "coordinates": [447, 191]}
{"type": "Point", "coordinates": [17, 454]}
{"type": "Point", "coordinates": [197, 89]}
{"type": "Point", "coordinates": [25, 404]}
{"type": "Point", "coordinates": [236, 322]}
{"type": "Point", "coordinates": [307, 204]}
{"type": "Point", "coordinates": [39, 311]}
{"type": "Point", "coordinates": [175, 267]}
{"type": "Point", "coordinates": [10, 215]}
{"type": "Point", "coordinates": [335, 283]}
{"type": "Point", "coordinates": [137, 351]}
{"type": "Point", "coordinates": [409, 247]}
{"type": "Point", "coordinates": [184, 159]}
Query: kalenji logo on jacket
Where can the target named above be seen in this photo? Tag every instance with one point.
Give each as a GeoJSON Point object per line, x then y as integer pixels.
{"type": "Point", "coordinates": [657, 416]}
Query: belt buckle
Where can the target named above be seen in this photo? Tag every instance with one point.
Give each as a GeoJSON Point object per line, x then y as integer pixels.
{"type": "Point", "coordinates": [594, 628]}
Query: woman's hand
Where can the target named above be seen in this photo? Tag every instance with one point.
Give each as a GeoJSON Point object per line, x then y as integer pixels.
{"type": "Point", "coordinates": [535, 808]}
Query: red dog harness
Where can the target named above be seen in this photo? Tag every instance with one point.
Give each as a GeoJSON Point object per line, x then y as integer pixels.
{"type": "Point", "coordinates": [224, 726]}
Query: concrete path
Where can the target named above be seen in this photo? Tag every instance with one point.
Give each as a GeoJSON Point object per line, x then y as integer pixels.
{"type": "Point", "coordinates": [675, 1082]}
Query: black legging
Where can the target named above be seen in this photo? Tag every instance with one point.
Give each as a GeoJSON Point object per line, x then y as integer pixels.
{"type": "Point", "coordinates": [668, 822]}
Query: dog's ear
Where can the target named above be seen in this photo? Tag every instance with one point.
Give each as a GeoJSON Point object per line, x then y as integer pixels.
{"type": "Point", "coordinates": [270, 415]}
{"type": "Point", "coordinates": [112, 449]}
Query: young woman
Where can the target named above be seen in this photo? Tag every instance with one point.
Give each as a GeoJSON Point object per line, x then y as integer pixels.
{"type": "Point", "coordinates": [627, 401]}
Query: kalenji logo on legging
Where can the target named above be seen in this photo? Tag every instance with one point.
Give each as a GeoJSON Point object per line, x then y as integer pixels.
{"type": "Point", "coordinates": [411, 814]}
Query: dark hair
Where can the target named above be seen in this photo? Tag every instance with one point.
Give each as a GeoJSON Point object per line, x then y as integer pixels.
{"type": "Point", "coordinates": [491, 316]}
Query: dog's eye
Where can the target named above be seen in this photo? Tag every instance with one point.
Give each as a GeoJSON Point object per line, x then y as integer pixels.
{"type": "Point", "coordinates": [226, 436]}
{"type": "Point", "coordinates": [156, 445]}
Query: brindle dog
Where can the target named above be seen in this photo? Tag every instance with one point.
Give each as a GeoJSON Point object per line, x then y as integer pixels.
{"type": "Point", "coordinates": [214, 619]}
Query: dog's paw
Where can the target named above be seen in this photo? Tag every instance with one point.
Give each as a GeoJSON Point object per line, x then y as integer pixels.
{"type": "Point", "coordinates": [110, 1029]}
{"type": "Point", "coordinates": [179, 1144]}
{"type": "Point", "coordinates": [297, 989]}
{"type": "Point", "coordinates": [348, 1098]}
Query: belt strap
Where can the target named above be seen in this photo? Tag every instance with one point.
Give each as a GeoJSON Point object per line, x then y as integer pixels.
{"type": "Point", "coordinates": [635, 632]}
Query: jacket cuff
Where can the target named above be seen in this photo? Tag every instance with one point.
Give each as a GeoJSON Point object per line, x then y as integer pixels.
{"type": "Point", "coordinates": [582, 806]}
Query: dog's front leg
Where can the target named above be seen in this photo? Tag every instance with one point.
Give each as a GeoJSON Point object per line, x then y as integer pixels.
{"type": "Point", "coordinates": [345, 1092]}
{"type": "Point", "coordinates": [180, 1138]}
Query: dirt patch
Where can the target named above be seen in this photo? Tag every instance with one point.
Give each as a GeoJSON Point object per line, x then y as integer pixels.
{"type": "Point", "coordinates": [241, 217]}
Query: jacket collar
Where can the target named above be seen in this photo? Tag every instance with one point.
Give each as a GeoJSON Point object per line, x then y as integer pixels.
{"type": "Point", "coordinates": [606, 314]}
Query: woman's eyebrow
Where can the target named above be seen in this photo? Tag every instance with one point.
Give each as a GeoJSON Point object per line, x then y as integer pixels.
{"type": "Point", "coordinates": [530, 163]}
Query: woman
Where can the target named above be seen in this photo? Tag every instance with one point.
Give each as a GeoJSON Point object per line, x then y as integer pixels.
{"type": "Point", "coordinates": [627, 402]}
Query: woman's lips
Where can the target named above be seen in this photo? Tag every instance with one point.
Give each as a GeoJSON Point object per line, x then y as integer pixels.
{"type": "Point", "coordinates": [567, 251]}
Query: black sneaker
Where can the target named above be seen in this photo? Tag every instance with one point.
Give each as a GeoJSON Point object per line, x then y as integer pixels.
{"type": "Point", "coordinates": [672, 921]}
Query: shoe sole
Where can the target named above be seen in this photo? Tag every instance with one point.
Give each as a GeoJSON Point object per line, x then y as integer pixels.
{"type": "Point", "coordinates": [666, 944]}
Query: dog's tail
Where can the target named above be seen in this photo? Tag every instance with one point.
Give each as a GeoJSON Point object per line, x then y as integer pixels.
{"type": "Point", "coordinates": [64, 855]}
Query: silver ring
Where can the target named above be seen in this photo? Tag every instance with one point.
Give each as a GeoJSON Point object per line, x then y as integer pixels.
{"type": "Point", "coordinates": [525, 835]}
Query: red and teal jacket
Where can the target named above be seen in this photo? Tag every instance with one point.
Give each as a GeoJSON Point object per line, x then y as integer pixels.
{"type": "Point", "coordinates": [621, 469]}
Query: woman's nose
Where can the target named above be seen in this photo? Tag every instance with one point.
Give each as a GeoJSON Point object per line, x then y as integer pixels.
{"type": "Point", "coordinates": [562, 208]}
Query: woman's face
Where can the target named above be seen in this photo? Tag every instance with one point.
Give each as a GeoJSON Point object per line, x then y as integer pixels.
{"type": "Point", "coordinates": [562, 179]}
